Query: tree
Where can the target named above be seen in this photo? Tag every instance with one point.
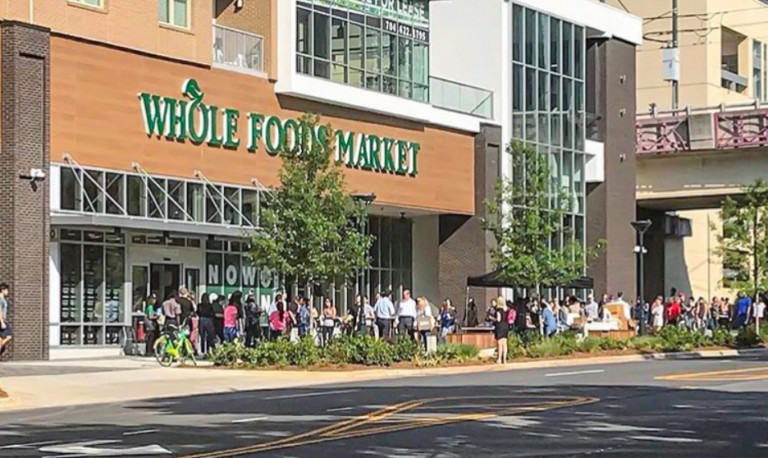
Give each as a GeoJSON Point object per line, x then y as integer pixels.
{"type": "Point", "coordinates": [743, 242]}
{"type": "Point", "coordinates": [526, 217]}
{"type": "Point", "coordinates": [312, 228]}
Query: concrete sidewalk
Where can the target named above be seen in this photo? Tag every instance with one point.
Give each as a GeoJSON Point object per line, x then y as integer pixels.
{"type": "Point", "coordinates": [70, 383]}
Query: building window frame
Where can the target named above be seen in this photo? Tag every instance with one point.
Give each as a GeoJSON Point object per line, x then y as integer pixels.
{"type": "Point", "coordinates": [98, 5]}
{"type": "Point", "coordinates": [168, 8]}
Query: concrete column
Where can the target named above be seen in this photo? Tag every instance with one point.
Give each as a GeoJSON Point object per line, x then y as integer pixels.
{"type": "Point", "coordinates": [426, 254]}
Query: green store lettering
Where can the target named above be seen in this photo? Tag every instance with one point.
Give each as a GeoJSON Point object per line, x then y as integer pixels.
{"type": "Point", "coordinates": [199, 123]}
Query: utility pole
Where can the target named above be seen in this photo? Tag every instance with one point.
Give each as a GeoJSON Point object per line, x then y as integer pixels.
{"type": "Point", "coordinates": [675, 45]}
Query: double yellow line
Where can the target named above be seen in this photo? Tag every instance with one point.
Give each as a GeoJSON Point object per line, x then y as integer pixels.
{"type": "Point", "coordinates": [720, 376]}
{"type": "Point", "coordinates": [351, 428]}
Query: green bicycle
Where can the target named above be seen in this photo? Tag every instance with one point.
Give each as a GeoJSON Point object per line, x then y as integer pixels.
{"type": "Point", "coordinates": [173, 345]}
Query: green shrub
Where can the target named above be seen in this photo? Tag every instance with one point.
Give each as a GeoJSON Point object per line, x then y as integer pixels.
{"type": "Point", "coordinates": [748, 337]}
{"type": "Point", "coordinates": [229, 354]}
{"type": "Point", "coordinates": [375, 352]}
{"type": "Point", "coordinates": [531, 337]}
{"type": "Point", "coordinates": [646, 343]}
{"type": "Point", "coordinates": [675, 338]}
{"type": "Point", "coordinates": [515, 346]}
{"type": "Point", "coordinates": [406, 349]}
{"type": "Point", "coordinates": [456, 352]}
{"type": "Point", "coordinates": [608, 344]}
{"type": "Point", "coordinates": [590, 344]}
{"type": "Point", "coordinates": [304, 354]}
{"type": "Point", "coordinates": [722, 337]}
{"type": "Point", "coordinates": [547, 348]}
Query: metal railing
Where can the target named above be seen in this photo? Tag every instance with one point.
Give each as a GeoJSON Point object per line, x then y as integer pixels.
{"type": "Point", "coordinates": [236, 48]}
{"type": "Point", "coordinates": [459, 97]}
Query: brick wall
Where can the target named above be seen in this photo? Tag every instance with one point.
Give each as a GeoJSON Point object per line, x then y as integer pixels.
{"type": "Point", "coordinates": [24, 220]}
{"type": "Point", "coordinates": [254, 17]}
{"type": "Point", "coordinates": [464, 244]}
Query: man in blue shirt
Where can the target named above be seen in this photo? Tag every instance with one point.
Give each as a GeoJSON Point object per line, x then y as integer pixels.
{"type": "Point", "coordinates": [550, 322]}
{"type": "Point", "coordinates": [385, 315]}
{"type": "Point", "coordinates": [743, 304]}
{"type": "Point", "coordinates": [5, 326]}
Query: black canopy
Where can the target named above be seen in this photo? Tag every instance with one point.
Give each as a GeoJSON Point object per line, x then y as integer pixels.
{"type": "Point", "coordinates": [492, 280]}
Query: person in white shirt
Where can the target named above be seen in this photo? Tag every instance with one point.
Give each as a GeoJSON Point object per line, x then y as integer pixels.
{"type": "Point", "coordinates": [273, 305]}
{"type": "Point", "coordinates": [406, 314]}
{"type": "Point", "coordinates": [591, 309]}
{"type": "Point", "coordinates": [758, 310]}
{"type": "Point", "coordinates": [626, 308]}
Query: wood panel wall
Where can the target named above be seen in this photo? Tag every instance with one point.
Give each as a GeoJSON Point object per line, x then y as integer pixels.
{"type": "Point", "coordinates": [96, 117]}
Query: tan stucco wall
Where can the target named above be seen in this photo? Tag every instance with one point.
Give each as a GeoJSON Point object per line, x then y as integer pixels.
{"type": "Point", "coordinates": [691, 264]}
{"type": "Point", "coordinates": [700, 45]}
{"type": "Point", "coordinates": [130, 23]}
{"type": "Point", "coordinates": [692, 175]}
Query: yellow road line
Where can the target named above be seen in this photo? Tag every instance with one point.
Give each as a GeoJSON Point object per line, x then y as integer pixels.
{"type": "Point", "coordinates": [703, 375]}
{"type": "Point", "coordinates": [345, 429]}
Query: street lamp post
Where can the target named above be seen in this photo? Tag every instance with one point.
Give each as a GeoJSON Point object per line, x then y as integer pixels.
{"type": "Point", "coordinates": [641, 227]}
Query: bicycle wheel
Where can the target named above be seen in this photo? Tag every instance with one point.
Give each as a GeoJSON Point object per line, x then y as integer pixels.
{"type": "Point", "coordinates": [162, 355]}
{"type": "Point", "coordinates": [189, 353]}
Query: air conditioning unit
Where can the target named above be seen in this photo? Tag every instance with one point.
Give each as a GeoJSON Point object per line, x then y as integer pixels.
{"type": "Point", "coordinates": [677, 227]}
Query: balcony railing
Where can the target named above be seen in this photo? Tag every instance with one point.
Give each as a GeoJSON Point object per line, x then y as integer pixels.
{"type": "Point", "coordinates": [459, 97]}
{"type": "Point", "coordinates": [238, 49]}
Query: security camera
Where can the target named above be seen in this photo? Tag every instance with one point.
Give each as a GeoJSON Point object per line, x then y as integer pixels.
{"type": "Point", "coordinates": [37, 174]}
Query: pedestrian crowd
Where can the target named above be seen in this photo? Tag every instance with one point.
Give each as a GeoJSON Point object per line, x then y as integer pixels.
{"type": "Point", "coordinates": [217, 319]}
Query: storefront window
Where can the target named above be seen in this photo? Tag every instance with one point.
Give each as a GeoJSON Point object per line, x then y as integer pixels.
{"type": "Point", "coordinates": [372, 48]}
{"type": "Point", "coordinates": [92, 294]}
{"type": "Point", "coordinates": [390, 256]}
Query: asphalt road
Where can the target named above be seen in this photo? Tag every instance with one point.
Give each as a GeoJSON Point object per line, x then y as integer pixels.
{"type": "Point", "coordinates": [697, 408]}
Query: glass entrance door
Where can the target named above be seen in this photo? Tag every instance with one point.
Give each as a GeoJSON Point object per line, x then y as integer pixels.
{"type": "Point", "coordinates": [140, 281]}
{"type": "Point", "coordinates": [164, 279]}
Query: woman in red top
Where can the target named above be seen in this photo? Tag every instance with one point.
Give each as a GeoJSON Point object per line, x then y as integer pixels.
{"type": "Point", "coordinates": [278, 321]}
{"type": "Point", "coordinates": [674, 309]}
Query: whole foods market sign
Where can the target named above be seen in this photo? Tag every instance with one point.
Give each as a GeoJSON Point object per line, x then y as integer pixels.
{"type": "Point", "coordinates": [192, 119]}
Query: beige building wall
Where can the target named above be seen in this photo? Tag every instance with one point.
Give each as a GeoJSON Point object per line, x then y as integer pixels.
{"type": "Point", "coordinates": [701, 23]}
{"type": "Point", "coordinates": [130, 23]}
{"type": "Point", "coordinates": [691, 264]}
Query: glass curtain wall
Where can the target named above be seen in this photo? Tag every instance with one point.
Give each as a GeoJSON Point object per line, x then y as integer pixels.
{"type": "Point", "coordinates": [548, 112]}
{"type": "Point", "coordinates": [363, 48]}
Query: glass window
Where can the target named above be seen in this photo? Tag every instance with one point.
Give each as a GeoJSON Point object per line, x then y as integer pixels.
{"type": "Point", "coordinates": [174, 12]}
{"type": "Point", "coordinates": [71, 277]}
{"type": "Point", "coordinates": [137, 205]}
{"type": "Point", "coordinates": [96, 3]}
{"type": "Point", "coordinates": [554, 45]}
{"type": "Point", "coordinates": [530, 85]}
{"type": "Point", "coordinates": [530, 127]}
{"type": "Point", "coordinates": [757, 70]}
{"type": "Point", "coordinates": [517, 33]}
{"type": "Point", "coordinates": [176, 200]}
{"type": "Point", "coordinates": [321, 35]}
{"type": "Point", "coordinates": [567, 48]}
{"type": "Point", "coordinates": [405, 59]}
{"type": "Point", "coordinates": [93, 283]}
{"type": "Point", "coordinates": [339, 41]}
{"type": "Point", "coordinates": [232, 206]}
{"type": "Point", "coordinates": [356, 45]}
{"type": "Point", "coordinates": [195, 202]}
{"type": "Point", "coordinates": [70, 189]}
{"type": "Point", "coordinates": [543, 48]}
{"type": "Point", "coordinates": [530, 37]}
{"type": "Point", "coordinates": [93, 200]}
{"type": "Point", "coordinates": [251, 207]}
{"type": "Point", "coordinates": [420, 63]}
{"type": "Point", "coordinates": [213, 204]}
{"type": "Point", "coordinates": [156, 201]}
{"type": "Point", "coordinates": [543, 91]}
{"type": "Point", "coordinates": [372, 50]}
{"type": "Point", "coordinates": [389, 54]}
{"type": "Point", "coordinates": [518, 87]}
{"type": "Point", "coordinates": [579, 51]}
{"type": "Point", "coordinates": [114, 309]}
{"type": "Point", "coordinates": [115, 184]}
{"type": "Point", "coordinates": [554, 94]}
{"type": "Point", "coordinates": [302, 31]}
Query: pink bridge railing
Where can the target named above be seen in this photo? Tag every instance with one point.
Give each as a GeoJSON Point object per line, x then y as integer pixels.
{"type": "Point", "coordinates": [735, 126]}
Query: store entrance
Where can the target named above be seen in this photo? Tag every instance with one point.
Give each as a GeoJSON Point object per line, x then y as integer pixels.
{"type": "Point", "coordinates": [164, 279]}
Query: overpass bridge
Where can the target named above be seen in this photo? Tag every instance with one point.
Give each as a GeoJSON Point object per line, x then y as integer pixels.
{"type": "Point", "coordinates": [688, 161]}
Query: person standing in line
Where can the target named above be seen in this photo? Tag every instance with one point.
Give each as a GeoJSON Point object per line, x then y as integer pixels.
{"type": "Point", "coordinates": [549, 320]}
{"type": "Point", "coordinates": [447, 320]}
{"type": "Point", "coordinates": [279, 321]}
{"type": "Point", "coordinates": [758, 310]}
{"type": "Point", "coordinates": [500, 333]}
{"type": "Point", "coordinates": [170, 309]}
{"type": "Point", "coordinates": [252, 328]}
{"type": "Point", "coordinates": [304, 318]}
{"type": "Point", "coordinates": [741, 315]}
{"type": "Point", "coordinates": [6, 333]}
{"type": "Point", "coordinates": [207, 328]}
{"type": "Point", "coordinates": [470, 314]}
{"type": "Point", "coordinates": [424, 320]}
{"type": "Point", "coordinates": [151, 327]}
{"type": "Point", "coordinates": [406, 314]}
{"type": "Point", "coordinates": [591, 309]}
{"type": "Point", "coordinates": [231, 313]}
{"type": "Point", "coordinates": [328, 321]}
{"type": "Point", "coordinates": [657, 314]}
{"type": "Point", "coordinates": [385, 315]}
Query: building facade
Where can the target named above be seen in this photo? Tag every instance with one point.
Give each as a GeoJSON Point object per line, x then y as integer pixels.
{"type": "Point", "coordinates": [690, 157]}
{"type": "Point", "coordinates": [566, 75]}
{"type": "Point", "coordinates": [144, 140]}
